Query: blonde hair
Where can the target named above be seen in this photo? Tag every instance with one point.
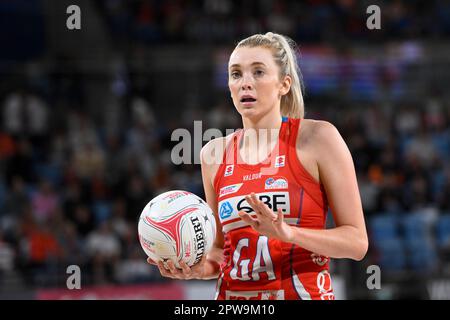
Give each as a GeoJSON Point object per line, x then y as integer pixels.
{"type": "Point", "coordinates": [284, 52]}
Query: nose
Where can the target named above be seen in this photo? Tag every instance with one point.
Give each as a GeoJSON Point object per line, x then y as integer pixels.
{"type": "Point", "coordinates": [246, 83]}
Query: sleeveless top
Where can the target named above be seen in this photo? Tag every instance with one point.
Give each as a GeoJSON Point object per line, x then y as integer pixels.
{"type": "Point", "coordinates": [255, 266]}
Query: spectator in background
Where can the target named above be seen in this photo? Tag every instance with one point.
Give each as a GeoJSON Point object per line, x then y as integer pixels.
{"type": "Point", "coordinates": [72, 245]}
{"type": "Point", "coordinates": [37, 119]}
{"type": "Point", "coordinates": [42, 253]}
{"type": "Point", "coordinates": [88, 160]}
{"type": "Point", "coordinates": [72, 198]}
{"type": "Point", "coordinates": [369, 193]}
{"type": "Point", "coordinates": [443, 197]}
{"type": "Point", "coordinates": [103, 248]}
{"type": "Point", "coordinates": [134, 270]}
{"type": "Point", "coordinates": [17, 198]}
{"type": "Point", "coordinates": [13, 113]}
{"type": "Point", "coordinates": [407, 121]}
{"type": "Point", "coordinates": [137, 196]}
{"type": "Point", "coordinates": [279, 20]}
{"type": "Point", "coordinates": [83, 220]}
{"type": "Point", "coordinates": [421, 147]}
{"type": "Point", "coordinates": [21, 163]}
{"type": "Point", "coordinates": [119, 221]}
{"type": "Point", "coordinates": [7, 146]}
{"type": "Point", "coordinates": [44, 202]}
{"type": "Point", "coordinates": [81, 132]}
{"type": "Point", "coordinates": [25, 113]}
{"type": "Point", "coordinates": [7, 256]}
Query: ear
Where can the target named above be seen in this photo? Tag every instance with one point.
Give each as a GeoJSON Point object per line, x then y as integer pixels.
{"type": "Point", "coordinates": [285, 85]}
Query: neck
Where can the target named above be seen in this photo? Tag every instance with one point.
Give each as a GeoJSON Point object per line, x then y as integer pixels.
{"type": "Point", "coordinates": [266, 127]}
{"type": "Point", "coordinates": [268, 121]}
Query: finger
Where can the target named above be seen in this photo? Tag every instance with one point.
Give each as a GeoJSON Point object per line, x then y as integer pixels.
{"type": "Point", "coordinates": [257, 205]}
{"type": "Point", "coordinates": [150, 261]}
{"type": "Point", "coordinates": [280, 216]}
{"type": "Point", "coordinates": [162, 266]}
{"type": "Point", "coordinates": [186, 269]}
{"type": "Point", "coordinates": [251, 201]}
{"type": "Point", "coordinates": [263, 209]}
{"type": "Point", "coordinates": [163, 270]}
{"type": "Point", "coordinates": [248, 219]}
{"type": "Point", "coordinates": [172, 267]}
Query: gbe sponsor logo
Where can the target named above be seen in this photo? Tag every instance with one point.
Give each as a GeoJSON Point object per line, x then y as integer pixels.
{"type": "Point", "coordinates": [230, 189]}
{"type": "Point", "coordinates": [276, 183]}
{"type": "Point", "coordinates": [274, 200]}
{"type": "Point", "coordinates": [225, 210]}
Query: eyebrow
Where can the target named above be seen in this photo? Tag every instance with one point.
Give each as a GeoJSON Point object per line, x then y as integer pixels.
{"type": "Point", "coordinates": [254, 63]}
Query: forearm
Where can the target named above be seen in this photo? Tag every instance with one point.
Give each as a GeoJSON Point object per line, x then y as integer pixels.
{"type": "Point", "coordinates": [340, 242]}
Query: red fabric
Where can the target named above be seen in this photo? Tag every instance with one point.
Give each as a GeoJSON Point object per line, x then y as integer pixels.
{"type": "Point", "coordinates": [256, 267]}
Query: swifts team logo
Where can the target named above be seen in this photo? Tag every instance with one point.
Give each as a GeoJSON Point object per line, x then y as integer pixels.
{"type": "Point", "coordinates": [229, 170]}
{"type": "Point", "coordinates": [280, 161]}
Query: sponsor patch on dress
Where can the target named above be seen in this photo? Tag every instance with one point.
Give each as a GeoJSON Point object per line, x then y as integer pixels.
{"type": "Point", "coordinates": [276, 183]}
{"type": "Point", "coordinates": [229, 189]}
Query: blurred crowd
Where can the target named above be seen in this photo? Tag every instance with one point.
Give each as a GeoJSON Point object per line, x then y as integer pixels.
{"type": "Point", "coordinates": [219, 21]}
{"type": "Point", "coordinates": [71, 191]}
{"type": "Point", "coordinates": [73, 180]}
{"type": "Point", "coordinates": [401, 153]}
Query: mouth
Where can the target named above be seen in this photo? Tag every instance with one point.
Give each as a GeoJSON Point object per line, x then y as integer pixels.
{"type": "Point", "coordinates": [247, 100]}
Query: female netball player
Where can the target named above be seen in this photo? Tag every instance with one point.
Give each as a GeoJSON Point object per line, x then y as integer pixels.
{"type": "Point", "coordinates": [271, 241]}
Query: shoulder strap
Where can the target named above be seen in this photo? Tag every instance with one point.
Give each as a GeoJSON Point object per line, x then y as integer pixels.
{"type": "Point", "coordinates": [293, 131]}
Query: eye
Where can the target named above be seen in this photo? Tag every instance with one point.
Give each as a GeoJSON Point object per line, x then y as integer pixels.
{"type": "Point", "coordinates": [259, 72]}
{"type": "Point", "coordinates": [234, 74]}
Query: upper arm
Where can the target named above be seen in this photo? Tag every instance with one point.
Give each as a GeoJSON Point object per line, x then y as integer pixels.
{"type": "Point", "coordinates": [209, 168]}
{"type": "Point", "coordinates": [338, 176]}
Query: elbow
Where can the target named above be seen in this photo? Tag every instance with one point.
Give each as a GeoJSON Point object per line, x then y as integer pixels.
{"type": "Point", "coordinates": [361, 249]}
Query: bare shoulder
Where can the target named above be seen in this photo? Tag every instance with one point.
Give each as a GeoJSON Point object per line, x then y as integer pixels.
{"type": "Point", "coordinates": [314, 140]}
{"type": "Point", "coordinates": [317, 134]}
{"type": "Point", "coordinates": [211, 155]}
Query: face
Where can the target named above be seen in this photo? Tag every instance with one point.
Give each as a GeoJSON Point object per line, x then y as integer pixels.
{"type": "Point", "coordinates": [254, 81]}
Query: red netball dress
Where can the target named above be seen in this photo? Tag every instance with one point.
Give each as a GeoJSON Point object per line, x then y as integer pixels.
{"type": "Point", "coordinates": [255, 266]}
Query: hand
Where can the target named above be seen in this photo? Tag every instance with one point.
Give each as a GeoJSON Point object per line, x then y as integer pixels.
{"type": "Point", "coordinates": [266, 221]}
{"type": "Point", "coordinates": [185, 273]}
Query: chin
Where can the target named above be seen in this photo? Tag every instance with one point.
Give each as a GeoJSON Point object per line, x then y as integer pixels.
{"type": "Point", "coordinates": [248, 112]}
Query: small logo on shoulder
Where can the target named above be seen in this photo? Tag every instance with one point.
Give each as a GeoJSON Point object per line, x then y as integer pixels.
{"type": "Point", "coordinates": [229, 170]}
{"type": "Point", "coordinates": [280, 161]}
